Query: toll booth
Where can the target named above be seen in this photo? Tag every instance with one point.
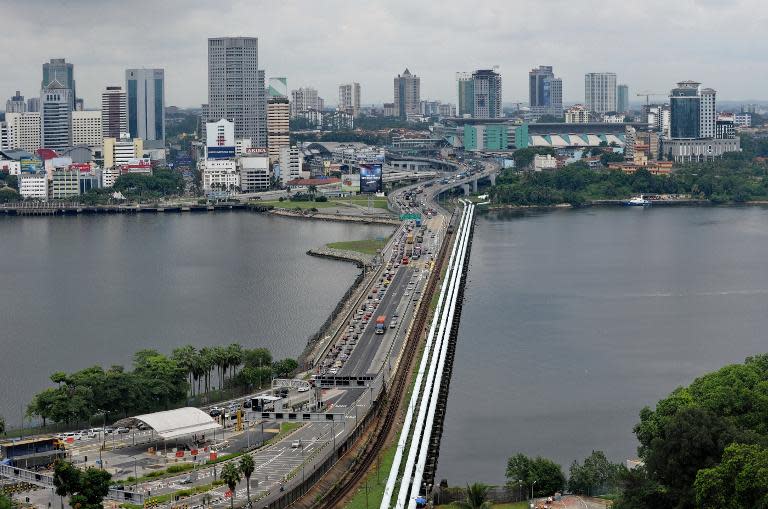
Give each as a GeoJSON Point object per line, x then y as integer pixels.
{"type": "Point", "coordinates": [31, 453]}
{"type": "Point", "coordinates": [262, 403]}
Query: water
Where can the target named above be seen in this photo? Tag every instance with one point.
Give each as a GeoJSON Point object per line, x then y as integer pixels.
{"type": "Point", "coordinates": [574, 320]}
{"type": "Point", "coordinates": [84, 290]}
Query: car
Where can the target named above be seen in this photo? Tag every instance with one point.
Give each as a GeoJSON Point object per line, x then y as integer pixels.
{"type": "Point", "coordinates": [117, 486]}
{"type": "Point", "coordinates": [333, 371]}
{"type": "Point", "coordinates": [186, 480]}
{"type": "Point", "coordinates": [215, 412]}
{"type": "Point", "coordinates": [247, 403]}
{"type": "Point", "coordinates": [303, 388]}
{"type": "Point", "coordinates": [295, 444]}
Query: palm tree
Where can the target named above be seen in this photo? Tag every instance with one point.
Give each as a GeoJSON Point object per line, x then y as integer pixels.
{"type": "Point", "coordinates": [312, 190]}
{"type": "Point", "coordinates": [220, 359]}
{"type": "Point", "coordinates": [235, 356]}
{"type": "Point", "coordinates": [231, 475]}
{"type": "Point", "coordinates": [206, 365]}
{"type": "Point", "coordinates": [247, 467]}
{"type": "Point", "coordinates": [477, 495]}
{"type": "Point", "coordinates": [185, 357]}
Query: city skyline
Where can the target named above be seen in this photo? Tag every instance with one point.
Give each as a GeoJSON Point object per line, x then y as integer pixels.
{"type": "Point", "coordinates": [175, 39]}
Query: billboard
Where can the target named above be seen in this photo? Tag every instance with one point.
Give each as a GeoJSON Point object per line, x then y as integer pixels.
{"type": "Point", "coordinates": [32, 165]}
{"type": "Point", "coordinates": [221, 153]}
{"type": "Point", "coordinates": [350, 183]}
{"type": "Point", "coordinates": [370, 178]}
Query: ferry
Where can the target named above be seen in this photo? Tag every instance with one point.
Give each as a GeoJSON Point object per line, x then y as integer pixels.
{"type": "Point", "coordinates": [638, 201]}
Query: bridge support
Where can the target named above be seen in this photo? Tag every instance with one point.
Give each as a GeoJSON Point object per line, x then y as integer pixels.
{"type": "Point", "coordinates": [465, 187]}
{"type": "Point", "coordinates": [492, 176]}
{"type": "Point", "coordinates": [474, 186]}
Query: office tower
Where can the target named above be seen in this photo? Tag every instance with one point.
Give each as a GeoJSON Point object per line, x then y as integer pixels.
{"type": "Point", "coordinates": [236, 89]}
{"type": "Point", "coordinates": [349, 98]}
{"type": "Point", "coordinates": [600, 91]}
{"type": "Point", "coordinates": [87, 128]}
{"type": "Point", "coordinates": [305, 99]}
{"type": "Point", "coordinates": [22, 131]}
{"type": "Point", "coordinates": [708, 115]}
{"type": "Point", "coordinates": [16, 104]}
{"type": "Point", "coordinates": [33, 105]}
{"type": "Point", "coordinates": [56, 116]}
{"type": "Point", "coordinates": [114, 114]}
{"type": "Point", "coordinates": [121, 151]}
{"type": "Point", "coordinates": [278, 126]}
{"type": "Point", "coordinates": [545, 92]}
{"type": "Point", "coordinates": [465, 93]}
{"type": "Point", "coordinates": [58, 70]}
{"type": "Point", "coordinates": [685, 110]}
{"type": "Point", "coordinates": [622, 98]}
{"type": "Point", "coordinates": [486, 84]}
{"type": "Point", "coordinates": [145, 97]}
{"type": "Point", "coordinates": [278, 87]}
{"type": "Point", "coordinates": [407, 94]}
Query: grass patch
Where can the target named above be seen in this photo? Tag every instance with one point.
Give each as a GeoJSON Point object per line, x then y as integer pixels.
{"type": "Point", "coordinates": [285, 429]}
{"type": "Point", "coordinates": [303, 205]}
{"type": "Point", "coordinates": [162, 499]}
{"type": "Point", "coordinates": [513, 505]}
{"type": "Point", "coordinates": [376, 483]}
{"type": "Point", "coordinates": [370, 246]}
{"type": "Point", "coordinates": [379, 203]}
{"type": "Point", "coordinates": [157, 474]}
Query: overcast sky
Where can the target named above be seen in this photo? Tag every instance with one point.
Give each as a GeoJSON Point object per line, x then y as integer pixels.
{"type": "Point", "coordinates": [650, 44]}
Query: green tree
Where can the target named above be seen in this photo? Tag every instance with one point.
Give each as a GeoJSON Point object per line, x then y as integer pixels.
{"type": "Point", "coordinates": [740, 481]}
{"type": "Point", "coordinates": [476, 498]}
{"type": "Point", "coordinates": [2, 425]}
{"type": "Point", "coordinates": [231, 475]}
{"type": "Point", "coordinates": [638, 491]}
{"type": "Point", "coordinates": [8, 195]}
{"type": "Point", "coordinates": [285, 367]}
{"type": "Point", "coordinates": [247, 466]}
{"type": "Point", "coordinates": [5, 502]}
{"type": "Point", "coordinates": [544, 475]}
{"type": "Point", "coordinates": [86, 489]}
{"type": "Point", "coordinates": [595, 476]}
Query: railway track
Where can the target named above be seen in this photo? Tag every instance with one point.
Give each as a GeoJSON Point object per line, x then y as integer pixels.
{"type": "Point", "coordinates": [388, 411]}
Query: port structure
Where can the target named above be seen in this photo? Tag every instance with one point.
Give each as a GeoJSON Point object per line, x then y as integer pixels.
{"type": "Point", "coordinates": [407, 479]}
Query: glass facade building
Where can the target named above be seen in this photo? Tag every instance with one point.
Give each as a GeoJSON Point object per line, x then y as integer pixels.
{"type": "Point", "coordinates": [145, 90]}
{"type": "Point", "coordinates": [685, 110]}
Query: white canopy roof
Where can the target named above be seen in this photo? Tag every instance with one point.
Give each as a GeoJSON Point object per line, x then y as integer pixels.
{"type": "Point", "coordinates": [179, 422]}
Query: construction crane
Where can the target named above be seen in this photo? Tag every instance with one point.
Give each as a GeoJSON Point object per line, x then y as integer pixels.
{"type": "Point", "coordinates": [648, 96]}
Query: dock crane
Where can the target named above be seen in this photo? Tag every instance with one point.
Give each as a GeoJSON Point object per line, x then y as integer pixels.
{"type": "Point", "coordinates": [648, 96]}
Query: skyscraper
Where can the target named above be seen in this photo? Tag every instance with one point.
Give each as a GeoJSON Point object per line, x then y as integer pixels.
{"type": "Point", "coordinates": [278, 126]}
{"type": "Point", "coordinates": [349, 98]}
{"type": "Point", "coordinates": [278, 87]}
{"type": "Point", "coordinates": [305, 99]}
{"type": "Point", "coordinates": [545, 92]}
{"type": "Point", "coordinates": [486, 85]}
{"type": "Point", "coordinates": [466, 93]}
{"type": "Point", "coordinates": [622, 98]}
{"type": "Point", "coordinates": [56, 116]}
{"type": "Point", "coordinates": [685, 110]}
{"type": "Point", "coordinates": [16, 104]}
{"type": "Point", "coordinates": [236, 89]}
{"type": "Point", "coordinates": [600, 91]}
{"type": "Point", "coordinates": [407, 94]}
{"type": "Point", "coordinates": [145, 97]}
{"type": "Point", "coordinates": [58, 70]}
{"type": "Point", "coordinates": [33, 104]}
{"type": "Point", "coordinates": [708, 115]}
{"type": "Point", "coordinates": [114, 115]}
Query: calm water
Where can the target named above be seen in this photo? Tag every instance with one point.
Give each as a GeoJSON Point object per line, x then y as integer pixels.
{"type": "Point", "coordinates": [79, 291]}
{"type": "Point", "coordinates": [574, 320]}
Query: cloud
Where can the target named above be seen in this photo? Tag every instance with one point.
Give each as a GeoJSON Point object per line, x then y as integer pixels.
{"type": "Point", "coordinates": [650, 44]}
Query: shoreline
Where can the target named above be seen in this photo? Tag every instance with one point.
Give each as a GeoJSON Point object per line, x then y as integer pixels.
{"type": "Point", "coordinates": [621, 203]}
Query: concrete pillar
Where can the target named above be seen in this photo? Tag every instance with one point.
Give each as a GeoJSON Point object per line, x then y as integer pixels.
{"type": "Point", "coordinates": [465, 187]}
{"type": "Point", "coordinates": [493, 179]}
{"type": "Point", "coordinates": [474, 186]}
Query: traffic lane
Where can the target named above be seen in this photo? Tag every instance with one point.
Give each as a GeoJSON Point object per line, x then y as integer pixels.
{"type": "Point", "coordinates": [368, 344]}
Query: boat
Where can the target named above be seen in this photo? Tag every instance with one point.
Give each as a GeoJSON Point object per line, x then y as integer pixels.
{"type": "Point", "coordinates": [637, 201]}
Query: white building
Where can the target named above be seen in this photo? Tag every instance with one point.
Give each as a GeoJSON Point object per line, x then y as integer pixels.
{"type": "Point", "coordinates": [291, 165]}
{"type": "Point", "coordinates": [109, 176]}
{"type": "Point", "coordinates": [243, 146]}
{"type": "Point", "coordinates": [304, 99]}
{"type": "Point", "coordinates": [349, 98]}
{"type": "Point", "coordinates": [220, 175]}
{"type": "Point", "coordinates": [220, 139]}
{"type": "Point", "coordinates": [577, 114]}
{"type": "Point", "coordinates": [87, 128]}
{"type": "Point", "coordinates": [34, 185]}
{"type": "Point", "coordinates": [544, 162]}
{"type": "Point", "coordinates": [254, 173]}
{"type": "Point", "coordinates": [10, 167]}
{"type": "Point", "coordinates": [707, 113]}
{"type": "Point", "coordinates": [600, 91]}
{"type": "Point", "coordinates": [614, 119]}
{"type": "Point", "coordinates": [742, 120]}
{"type": "Point", "coordinates": [23, 131]}
{"type": "Point", "coordinates": [119, 152]}
{"type": "Point", "coordinates": [278, 126]}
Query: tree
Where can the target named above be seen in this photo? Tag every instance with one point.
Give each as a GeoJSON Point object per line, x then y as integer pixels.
{"type": "Point", "coordinates": [544, 475]}
{"type": "Point", "coordinates": [5, 502]}
{"type": "Point", "coordinates": [86, 489]}
{"type": "Point", "coordinates": [2, 425]}
{"type": "Point", "coordinates": [638, 491]}
{"type": "Point", "coordinates": [312, 190]}
{"type": "Point", "coordinates": [231, 475]}
{"type": "Point", "coordinates": [477, 497]}
{"type": "Point", "coordinates": [740, 481]}
{"type": "Point", "coordinates": [8, 195]}
{"type": "Point", "coordinates": [284, 367]}
{"type": "Point", "coordinates": [247, 467]}
{"type": "Point", "coordinates": [595, 476]}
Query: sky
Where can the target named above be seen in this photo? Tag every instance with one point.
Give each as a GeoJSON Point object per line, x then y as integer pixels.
{"type": "Point", "coordinates": [649, 44]}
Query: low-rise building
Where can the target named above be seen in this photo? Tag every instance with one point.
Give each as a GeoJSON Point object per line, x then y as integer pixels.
{"type": "Point", "coordinates": [220, 175]}
{"type": "Point", "coordinates": [254, 173]}
{"type": "Point", "coordinates": [34, 186]}
{"type": "Point", "coordinates": [577, 114]}
{"type": "Point", "coordinates": [693, 150]}
{"type": "Point", "coordinates": [118, 152]}
{"type": "Point", "coordinates": [291, 165]}
{"type": "Point", "coordinates": [65, 184]}
{"type": "Point", "coordinates": [544, 162]}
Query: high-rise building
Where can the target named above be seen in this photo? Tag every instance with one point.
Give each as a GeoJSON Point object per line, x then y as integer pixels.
{"type": "Point", "coordinates": [278, 87]}
{"type": "Point", "coordinates": [220, 139]}
{"type": "Point", "coordinates": [622, 98]}
{"type": "Point", "coordinates": [305, 99]}
{"type": "Point", "coordinates": [145, 97]}
{"type": "Point", "coordinates": [16, 104]}
{"type": "Point", "coordinates": [349, 98]}
{"type": "Point", "coordinates": [486, 85]}
{"type": "Point", "coordinates": [59, 71]}
{"type": "Point", "coordinates": [545, 92]}
{"type": "Point", "coordinates": [708, 115]}
{"type": "Point", "coordinates": [291, 164]}
{"type": "Point", "coordinates": [121, 151]}
{"type": "Point", "coordinates": [600, 91]}
{"type": "Point", "coordinates": [236, 88]}
{"type": "Point", "coordinates": [87, 128]}
{"type": "Point", "coordinates": [56, 116]}
{"type": "Point", "coordinates": [685, 110]}
{"type": "Point", "coordinates": [577, 114]}
{"type": "Point", "coordinates": [466, 94]}
{"type": "Point", "coordinates": [23, 131]}
{"type": "Point", "coordinates": [278, 126]}
{"type": "Point", "coordinates": [407, 94]}
{"type": "Point", "coordinates": [33, 104]}
{"type": "Point", "coordinates": [114, 114]}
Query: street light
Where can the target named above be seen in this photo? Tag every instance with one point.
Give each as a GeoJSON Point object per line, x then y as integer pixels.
{"type": "Point", "coordinates": [532, 485]}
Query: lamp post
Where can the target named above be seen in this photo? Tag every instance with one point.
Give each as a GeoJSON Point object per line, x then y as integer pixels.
{"type": "Point", "coordinates": [532, 485]}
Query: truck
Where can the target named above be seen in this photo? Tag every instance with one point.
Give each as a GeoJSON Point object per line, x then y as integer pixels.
{"type": "Point", "coordinates": [418, 222]}
{"type": "Point", "coordinates": [409, 239]}
{"type": "Point", "coordinates": [380, 325]}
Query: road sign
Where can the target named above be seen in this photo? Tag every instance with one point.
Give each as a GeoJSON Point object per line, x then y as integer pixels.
{"type": "Point", "coordinates": [406, 217]}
